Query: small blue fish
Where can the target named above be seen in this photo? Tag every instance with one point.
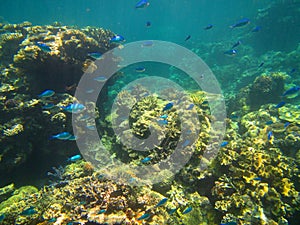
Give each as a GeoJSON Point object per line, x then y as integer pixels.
{"type": "Point", "coordinates": [257, 179]}
{"type": "Point", "coordinates": [142, 4]}
{"type": "Point", "coordinates": [147, 44]}
{"type": "Point", "coordinates": [236, 44]}
{"type": "Point", "coordinates": [140, 69]}
{"type": "Point", "coordinates": [191, 106]}
{"type": "Point", "coordinates": [229, 223]}
{"type": "Point", "coordinates": [74, 158]}
{"type": "Point", "coordinates": [89, 91]}
{"type": "Point", "coordinates": [102, 211]}
{"type": "Point", "coordinates": [162, 122]}
{"type": "Point", "coordinates": [48, 106]}
{"type": "Point", "coordinates": [46, 94]}
{"type": "Point", "coordinates": [241, 23]}
{"type": "Point", "coordinates": [208, 27]}
{"type": "Point", "coordinates": [43, 47]}
{"type": "Point", "coordinates": [187, 210]}
{"type": "Point", "coordinates": [91, 127]}
{"type": "Point", "coordinates": [100, 79]}
{"type": "Point", "coordinates": [224, 143]}
{"type": "Point", "coordinates": [292, 71]}
{"type": "Point", "coordinates": [168, 106]}
{"type": "Point", "coordinates": [145, 160]}
{"type": "Point", "coordinates": [144, 217]}
{"type": "Point", "coordinates": [186, 143]}
{"type": "Point", "coordinates": [231, 52]}
{"type": "Point", "coordinates": [28, 212]}
{"type": "Point", "coordinates": [172, 211]}
{"type": "Point", "coordinates": [270, 135]}
{"type": "Point", "coordinates": [148, 24]}
{"type": "Point", "coordinates": [256, 29]}
{"type": "Point", "coordinates": [2, 217]}
{"type": "Point", "coordinates": [188, 37]}
{"type": "Point", "coordinates": [292, 90]}
{"type": "Point", "coordinates": [61, 136]}
{"type": "Point", "coordinates": [95, 55]}
{"type": "Point", "coordinates": [84, 117]}
{"type": "Point", "coordinates": [165, 116]}
{"type": "Point", "coordinates": [72, 138]}
{"type": "Point", "coordinates": [161, 202]}
{"type": "Point", "coordinates": [269, 122]}
{"type": "Point", "coordinates": [279, 105]}
{"type": "Point", "coordinates": [286, 124]}
{"type": "Point", "coordinates": [117, 39]}
{"type": "Point", "coordinates": [74, 108]}
{"type": "Point", "coordinates": [52, 220]}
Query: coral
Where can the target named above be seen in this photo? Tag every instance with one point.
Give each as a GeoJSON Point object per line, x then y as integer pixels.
{"type": "Point", "coordinates": [14, 130]}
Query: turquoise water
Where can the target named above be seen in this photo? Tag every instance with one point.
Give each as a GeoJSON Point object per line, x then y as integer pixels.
{"type": "Point", "coordinates": [258, 74]}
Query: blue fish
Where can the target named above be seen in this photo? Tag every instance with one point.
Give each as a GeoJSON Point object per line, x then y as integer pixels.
{"type": "Point", "coordinates": [292, 71]}
{"type": "Point", "coordinates": [208, 27]}
{"type": "Point", "coordinates": [91, 127]}
{"type": "Point", "coordinates": [191, 106]}
{"type": "Point", "coordinates": [279, 105]}
{"type": "Point", "coordinates": [236, 44]}
{"type": "Point", "coordinates": [28, 212]}
{"type": "Point", "coordinates": [144, 217]}
{"type": "Point", "coordinates": [2, 217]}
{"type": "Point", "coordinates": [89, 91]}
{"type": "Point", "coordinates": [231, 52]}
{"type": "Point", "coordinates": [260, 65]}
{"type": "Point", "coordinates": [256, 29]}
{"type": "Point", "coordinates": [257, 179]}
{"type": "Point", "coordinates": [52, 220]}
{"type": "Point", "coordinates": [162, 122]}
{"type": "Point", "coordinates": [187, 210]}
{"type": "Point", "coordinates": [168, 106]}
{"type": "Point", "coordinates": [72, 138]}
{"type": "Point", "coordinates": [46, 94]}
{"type": "Point", "coordinates": [270, 135]}
{"type": "Point", "coordinates": [286, 124]}
{"type": "Point", "coordinates": [241, 23]}
{"type": "Point", "coordinates": [61, 136]}
{"type": "Point", "coordinates": [165, 116]}
{"type": "Point", "coordinates": [186, 143]}
{"type": "Point", "coordinates": [224, 143]}
{"type": "Point", "coordinates": [48, 106]}
{"type": "Point", "coordinates": [292, 90]}
{"type": "Point", "coordinates": [74, 108]}
{"type": "Point", "coordinates": [95, 55]}
{"type": "Point", "coordinates": [172, 211]}
{"type": "Point", "coordinates": [101, 211]}
{"type": "Point", "coordinates": [142, 4]}
{"type": "Point", "coordinates": [43, 46]}
{"type": "Point", "coordinates": [74, 158]}
{"type": "Point", "coordinates": [229, 223]}
{"type": "Point", "coordinates": [148, 24]}
{"type": "Point", "coordinates": [100, 79]}
{"type": "Point", "coordinates": [161, 202]}
{"type": "Point", "coordinates": [117, 39]}
{"type": "Point", "coordinates": [145, 160]}
{"type": "Point", "coordinates": [269, 122]}
{"type": "Point", "coordinates": [140, 69]}
{"type": "Point", "coordinates": [147, 44]}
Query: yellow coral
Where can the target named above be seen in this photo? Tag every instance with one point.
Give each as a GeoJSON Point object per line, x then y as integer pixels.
{"type": "Point", "coordinates": [14, 130]}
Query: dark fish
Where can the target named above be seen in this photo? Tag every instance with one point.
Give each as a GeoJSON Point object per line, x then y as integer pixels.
{"type": "Point", "coordinates": [28, 212]}
{"type": "Point", "coordinates": [71, 87]}
{"type": "Point", "coordinates": [2, 217]}
{"type": "Point", "coordinates": [161, 202]}
{"type": "Point", "coordinates": [148, 24]}
{"type": "Point", "coordinates": [291, 91]}
{"type": "Point", "coordinates": [208, 27]}
{"type": "Point", "coordinates": [286, 124]}
{"type": "Point", "coordinates": [229, 223]}
{"type": "Point", "coordinates": [257, 179]}
{"type": "Point", "coordinates": [187, 210]}
{"type": "Point", "coordinates": [260, 65]}
{"type": "Point", "coordinates": [95, 55]}
{"type": "Point", "coordinates": [52, 220]}
{"type": "Point", "coordinates": [241, 23]}
{"type": "Point", "coordinates": [292, 71]}
{"type": "Point", "coordinates": [256, 29]}
{"type": "Point", "coordinates": [279, 105]}
{"type": "Point", "coordinates": [144, 217]}
{"type": "Point", "coordinates": [140, 69]}
{"type": "Point", "coordinates": [142, 4]}
{"type": "Point", "coordinates": [191, 106]}
{"type": "Point", "coordinates": [168, 106]}
{"type": "Point", "coordinates": [224, 143]}
{"type": "Point", "coordinates": [231, 52]}
{"type": "Point", "coordinates": [236, 44]}
{"type": "Point", "coordinates": [74, 158]}
{"type": "Point", "coordinates": [172, 211]}
{"type": "Point", "coordinates": [43, 46]}
{"type": "Point", "coordinates": [270, 135]}
{"type": "Point", "coordinates": [188, 37]}
{"type": "Point", "coordinates": [117, 39]}
{"type": "Point", "coordinates": [269, 122]}
{"type": "Point", "coordinates": [46, 94]}
{"type": "Point", "coordinates": [145, 160]}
